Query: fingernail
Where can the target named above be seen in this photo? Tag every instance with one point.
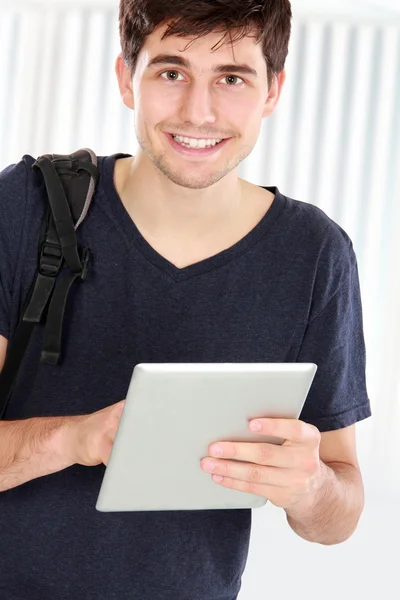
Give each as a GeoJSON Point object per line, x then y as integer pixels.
{"type": "Point", "coordinates": [255, 425]}
{"type": "Point", "coordinates": [216, 450]}
{"type": "Point", "coordinates": [209, 465]}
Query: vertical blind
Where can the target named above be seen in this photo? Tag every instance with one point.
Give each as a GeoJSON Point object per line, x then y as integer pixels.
{"type": "Point", "coordinates": [334, 141]}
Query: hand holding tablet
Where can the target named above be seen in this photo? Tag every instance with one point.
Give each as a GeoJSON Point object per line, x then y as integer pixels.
{"type": "Point", "coordinates": [175, 411]}
{"type": "Point", "coordinates": [283, 474]}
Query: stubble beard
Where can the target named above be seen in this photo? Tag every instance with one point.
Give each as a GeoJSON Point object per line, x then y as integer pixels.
{"type": "Point", "coordinates": [190, 180]}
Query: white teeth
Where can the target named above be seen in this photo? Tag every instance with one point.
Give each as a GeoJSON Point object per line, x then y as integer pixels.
{"type": "Point", "coordinates": [193, 143]}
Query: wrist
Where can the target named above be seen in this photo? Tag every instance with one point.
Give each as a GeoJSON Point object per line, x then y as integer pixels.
{"type": "Point", "coordinates": [301, 509]}
{"type": "Point", "coordinates": [63, 442]}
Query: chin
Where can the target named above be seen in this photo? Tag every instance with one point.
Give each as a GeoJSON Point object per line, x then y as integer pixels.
{"type": "Point", "coordinates": [193, 181]}
{"type": "Point", "coordinates": [194, 177]}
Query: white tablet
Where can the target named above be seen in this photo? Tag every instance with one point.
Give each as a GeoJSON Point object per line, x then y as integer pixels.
{"type": "Point", "coordinates": [174, 411]}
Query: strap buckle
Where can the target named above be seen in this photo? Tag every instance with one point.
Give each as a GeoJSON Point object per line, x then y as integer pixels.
{"type": "Point", "coordinates": [51, 259]}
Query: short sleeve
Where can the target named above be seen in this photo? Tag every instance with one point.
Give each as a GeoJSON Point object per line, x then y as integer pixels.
{"type": "Point", "coordinates": [13, 193]}
{"type": "Point", "coordinates": [334, 341]}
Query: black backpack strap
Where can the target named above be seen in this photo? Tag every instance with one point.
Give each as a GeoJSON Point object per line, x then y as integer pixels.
{"type": "Point", "coordinates": [51, 352]}
{"type": "Point", "coordinates": [70, 183]}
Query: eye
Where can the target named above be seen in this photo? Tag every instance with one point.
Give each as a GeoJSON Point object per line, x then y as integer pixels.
{"type": "Point", "coordinates": [234, 78]}
{"type": "Point", "coordinates": [175, 73]}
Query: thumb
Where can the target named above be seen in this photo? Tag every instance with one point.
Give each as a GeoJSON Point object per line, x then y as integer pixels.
{"type": "Point", "coordinates": [119, 407]}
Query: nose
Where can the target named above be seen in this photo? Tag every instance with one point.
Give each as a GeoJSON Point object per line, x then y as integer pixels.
{"type": "Point", "coordinates": [198, 105]}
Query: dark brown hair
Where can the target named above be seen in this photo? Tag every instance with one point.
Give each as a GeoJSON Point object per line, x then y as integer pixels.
{"type": "Point", "coordinates": [268, 21]}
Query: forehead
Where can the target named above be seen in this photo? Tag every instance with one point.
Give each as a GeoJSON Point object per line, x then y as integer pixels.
{"type": "Point", "coordinates": [201, 52]}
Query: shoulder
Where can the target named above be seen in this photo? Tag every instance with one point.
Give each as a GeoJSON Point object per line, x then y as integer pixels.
{"type": "Point", "coordinates": [21, 193]}
{"type": "Point", "coordinates": [14, 188]}
{"type": "Point", "coordinates": [314, 226]}
{"type": "Point", "coordinates": [13, 184]}
{"type": "Point", "coordinates": [312, 230]}
{"type": "Point", "coordinates": [17, 227]}
{"type": "Point", "coordinates": [16, 182]}
{"type": "Point", "coordinates": [318, 249]}
{"type": "Point", "coordinates": [16, 174]}
{"type": "Point", "coordinates": [21, 210]}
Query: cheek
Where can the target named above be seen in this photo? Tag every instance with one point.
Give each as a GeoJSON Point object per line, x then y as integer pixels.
{"type": "Point", "coordinates": [154, 107]}
{"type": "Point", "coordinates": [247, 115]}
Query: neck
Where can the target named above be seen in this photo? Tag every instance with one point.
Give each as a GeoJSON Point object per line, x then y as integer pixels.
{"type": "Point", "coordinates": [161, 208]}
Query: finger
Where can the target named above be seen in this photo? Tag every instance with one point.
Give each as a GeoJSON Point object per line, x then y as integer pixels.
{"type": "Point", "coordinates": [106, 451]}
{"type": "Point", "coordinates": [293, 430]}
{"type": "Point", "coordinates": [112, 434]}
{"type": "Point", "coordinates": [113, 419]}
{"type": "Point", "coordinates": [260, 453]}
{"type": "Point", "coordinates": [112, 409]}
{"type": "Point", "coordinates": [119, 407]}
{"type": "Point", "coordinates": [116, 411]}
{"type": "Point", "coordinates": [257, 474]}
{"type": "Point", "coordinates": [278, 496]}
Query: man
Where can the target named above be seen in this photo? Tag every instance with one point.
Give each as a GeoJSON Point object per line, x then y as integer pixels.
{"type": "Point", "coordinates": [191, 264]}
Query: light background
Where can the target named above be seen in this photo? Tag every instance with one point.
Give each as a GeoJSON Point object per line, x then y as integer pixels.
{"type": "Point", "coordinates": [334, 141]}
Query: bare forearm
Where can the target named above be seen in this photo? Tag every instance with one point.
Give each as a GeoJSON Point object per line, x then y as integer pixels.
{"type": "Point", "coordinates": [31, 448]}
{"type": "Point", "coordinates": [41, 446]}
{"type": "Point", "coordinates": [334, 512]}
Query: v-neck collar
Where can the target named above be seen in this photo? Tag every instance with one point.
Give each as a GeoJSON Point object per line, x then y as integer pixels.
{"type": "Point", "coordinates": [136, 239]}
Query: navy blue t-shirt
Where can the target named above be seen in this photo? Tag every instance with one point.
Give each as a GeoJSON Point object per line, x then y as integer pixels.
{"type": "Point", "coordinates": [287, 292]}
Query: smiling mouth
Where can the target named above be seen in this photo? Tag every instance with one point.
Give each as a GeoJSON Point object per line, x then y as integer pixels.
{"type": "Point", "coordinates": [196, 143]}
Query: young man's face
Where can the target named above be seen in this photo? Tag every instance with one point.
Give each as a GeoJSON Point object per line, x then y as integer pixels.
{"type": "Point", "coordinates": [209, 97]}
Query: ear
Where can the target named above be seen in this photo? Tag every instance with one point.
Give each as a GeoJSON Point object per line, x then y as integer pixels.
{"type": "Point", "coordinates": [124, 81]}
{"type": "Point", "coordinates": [274, 93]}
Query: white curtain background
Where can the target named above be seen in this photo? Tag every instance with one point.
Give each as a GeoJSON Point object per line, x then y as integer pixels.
{"type": "Point", "coordinates": [334, 141]}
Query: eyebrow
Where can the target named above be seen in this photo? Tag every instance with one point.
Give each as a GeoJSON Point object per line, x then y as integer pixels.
{"type": "Point", "coordinates": [169, 59]}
